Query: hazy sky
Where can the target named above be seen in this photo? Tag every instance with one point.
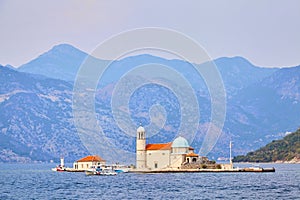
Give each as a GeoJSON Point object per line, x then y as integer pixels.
{"type": "Point", "coordinates": [265, 32]}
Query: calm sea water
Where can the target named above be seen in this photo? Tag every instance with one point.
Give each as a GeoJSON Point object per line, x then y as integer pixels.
{"type": "Point", "coordinates": [37, 181]}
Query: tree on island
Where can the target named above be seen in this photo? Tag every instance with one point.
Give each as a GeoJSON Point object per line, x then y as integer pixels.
{"type": "Point", "coordinates": [285, 149]}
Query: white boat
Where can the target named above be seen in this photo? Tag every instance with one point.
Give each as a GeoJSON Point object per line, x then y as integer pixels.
{"type": "Point", "coordinates": [108, 172]}
{"type": "Point", "coordinates": [61, 167]}
{"type": "Point", "coordinates": [120, 168]}
{"type": "Point", "coordinates": [101, 171]}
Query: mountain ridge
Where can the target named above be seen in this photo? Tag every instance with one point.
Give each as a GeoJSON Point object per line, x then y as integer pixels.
{"type": "Point", "coordinates": [62, 60]}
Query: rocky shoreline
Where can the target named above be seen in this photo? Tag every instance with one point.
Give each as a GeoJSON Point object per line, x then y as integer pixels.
{"type": "Point", "coordinates": [295, 160]}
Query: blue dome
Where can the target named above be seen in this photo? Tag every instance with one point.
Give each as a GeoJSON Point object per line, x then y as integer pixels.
{"type": "Point", "coordinates": [180, 142]}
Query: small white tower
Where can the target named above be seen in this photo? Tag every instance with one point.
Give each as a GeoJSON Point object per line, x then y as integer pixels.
{"type": "Point", "coordinates": [140, 148]}
{"type": "Point", "coordinates": [62, 162]}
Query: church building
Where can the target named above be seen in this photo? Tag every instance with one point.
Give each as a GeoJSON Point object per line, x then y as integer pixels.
{"type": "Point", "coordinates": [163, 156]}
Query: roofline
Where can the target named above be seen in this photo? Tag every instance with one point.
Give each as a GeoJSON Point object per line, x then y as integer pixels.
{"type": "Point", "coordinates": [92, 160]}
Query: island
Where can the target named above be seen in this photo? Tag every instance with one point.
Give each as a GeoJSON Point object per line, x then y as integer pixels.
{"type": "Point", "coordinates": [286, 150]}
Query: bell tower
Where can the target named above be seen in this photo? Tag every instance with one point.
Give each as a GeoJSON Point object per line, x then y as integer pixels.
{"type": "Point", "coordinates": [140, 148]}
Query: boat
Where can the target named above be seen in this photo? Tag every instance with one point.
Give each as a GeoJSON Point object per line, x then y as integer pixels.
{"type": "Point", "coordinates": [93, 170]}
{"type": "Point", "coordinates": [100, 171]}
{"type": "Point", "coordinates": [120, 168]}
{"type": "Point", "coordinates": [107, 172]}
{"type": "Point", "coordinates": [61, 167]}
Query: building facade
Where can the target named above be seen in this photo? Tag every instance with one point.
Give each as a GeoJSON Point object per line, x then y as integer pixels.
{"type": "Point", "coordinates": [88, 161]}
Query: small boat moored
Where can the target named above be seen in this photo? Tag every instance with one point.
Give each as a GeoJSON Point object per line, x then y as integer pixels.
{"type": "Point", "coordinates": [100, 171]}
{"type": "Point", "coordinates": [61, 167]}
{"type": "Point", "coordinates": [120, 168]}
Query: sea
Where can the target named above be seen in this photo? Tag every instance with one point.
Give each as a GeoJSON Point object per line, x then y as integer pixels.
{"type": "Point", "coordinates": [37, 181]}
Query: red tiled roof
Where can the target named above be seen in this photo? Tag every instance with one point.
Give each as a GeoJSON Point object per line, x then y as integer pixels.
{"type": "Point", "coordinates": [165, 146]}
{"type": "Point", "coordinates": [192, 155]}
{"type": "Point", "coordinates": [91, 158]}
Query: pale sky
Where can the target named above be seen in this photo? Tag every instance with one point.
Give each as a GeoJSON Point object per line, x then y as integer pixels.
{"type": "Point", "coordinates": [266, 32]}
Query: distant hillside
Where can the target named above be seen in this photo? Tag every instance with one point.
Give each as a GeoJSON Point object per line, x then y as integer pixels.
{"type": "Point", "coordinates": [36, 119]}
{"type": "Point", "coordinates": [269, 106]}
{"type": "Point", "coordinates": [238, 73]}
{"type": "Point", "coordinates": [285, 149]}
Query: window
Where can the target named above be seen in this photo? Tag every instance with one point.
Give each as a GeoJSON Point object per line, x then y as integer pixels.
{"type": "Point", "coordinates": [155, 165]}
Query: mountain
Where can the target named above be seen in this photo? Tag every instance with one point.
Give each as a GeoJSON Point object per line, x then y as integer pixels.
{"type": "Point", "coordinates": [278, 95]}
{"type": "Point", "coordinates": [266, 107]}
{"type": "Point", "coordinates": [37, 122]}
{"type": "Point", "coordinates": [36, 119]}
{"type": "Point", "coordinates": [238, 73]}
{"type": "Point", "coordinates": [285, 149]}
{"type": "Point", "coordinates": [61, 62]}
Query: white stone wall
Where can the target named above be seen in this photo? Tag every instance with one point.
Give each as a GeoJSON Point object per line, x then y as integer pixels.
{"type": "Point", "coordinates": [226, 166]}
{"type": "Point", "coordinates": [158, 159]}
{"type": "Point", "coordinates": [176, 160]}
{"type": "Point", "coordinates": [140, 159]}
